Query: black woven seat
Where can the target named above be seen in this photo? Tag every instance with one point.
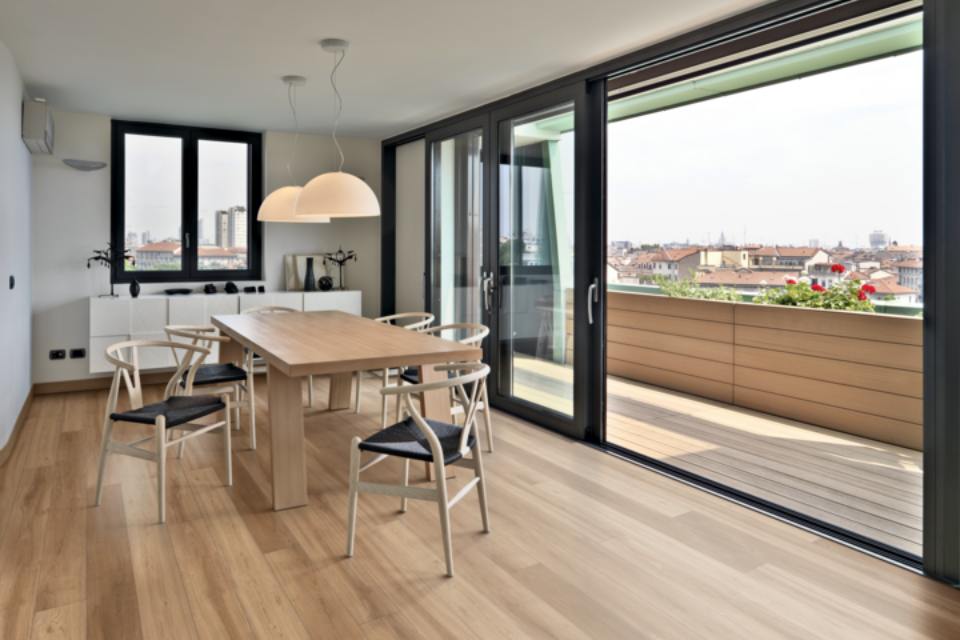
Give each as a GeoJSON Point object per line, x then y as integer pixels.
{"type": "Point", "coordinates": [411, 375]}
{"type": "Point", "coordinates": [405, 440]}
{"type": "Point", "coordinates": [216, 373]}
{"type": "Point", "coordinates": [177, 409]}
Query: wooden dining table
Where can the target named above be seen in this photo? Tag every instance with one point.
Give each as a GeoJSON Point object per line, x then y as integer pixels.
{"type": "Point", "coordinates": [334, 344]}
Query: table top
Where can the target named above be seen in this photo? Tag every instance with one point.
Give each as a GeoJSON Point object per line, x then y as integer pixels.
{"type": "Point", "coordinates": [321, 342]}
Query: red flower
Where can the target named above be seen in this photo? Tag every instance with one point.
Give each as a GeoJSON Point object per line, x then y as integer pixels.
{"type": "Point", "coordinates": [837, 268]}
{"type": "Point", "coordinates": [868, 288]}
{"type": "Point", "coordinates": [791, 281]}
{"type": "Point", "coordinates": [818, 288]}
{"type": "Point", "coordinates": [861, 295]}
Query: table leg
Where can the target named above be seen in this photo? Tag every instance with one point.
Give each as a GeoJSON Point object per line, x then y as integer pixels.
{"type": "Point", "coordinates": [287, 458]}
{"type": "Point", "coordinates": [231, 352]}
{"type": "Point", "coordinates": [341, 391]}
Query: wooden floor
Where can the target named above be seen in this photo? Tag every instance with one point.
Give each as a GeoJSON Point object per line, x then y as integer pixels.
{"type": "Point", "coordinates": [583, 545]}
{"type": "Point", "coordinates": [867, 487]}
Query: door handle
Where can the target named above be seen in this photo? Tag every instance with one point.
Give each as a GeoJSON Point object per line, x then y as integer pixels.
{"type": "Point", "coordinates": [593, 297]}
{"type": "Point", "coordinates": [487, 286]}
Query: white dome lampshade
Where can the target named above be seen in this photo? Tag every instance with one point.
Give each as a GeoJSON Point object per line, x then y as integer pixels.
{"type": "Point", "coordinates": [337, 195]}
{"type": "Point", "coordinates": [280, 206]}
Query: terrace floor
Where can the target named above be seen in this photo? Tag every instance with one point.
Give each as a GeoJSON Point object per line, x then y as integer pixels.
{"type": "Point", "coordinates": [867, 487]}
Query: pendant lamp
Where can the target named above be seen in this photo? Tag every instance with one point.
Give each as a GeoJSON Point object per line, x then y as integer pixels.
{"type": "Point", "coordinates": [337, 194]}
{"type": "Point", "coordinates": [280, 205]}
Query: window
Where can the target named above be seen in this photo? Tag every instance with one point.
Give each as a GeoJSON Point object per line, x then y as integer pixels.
{"type": "Point", "coordinates": [185, 201]}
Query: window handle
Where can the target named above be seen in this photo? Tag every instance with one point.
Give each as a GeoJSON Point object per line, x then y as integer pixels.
{"type": "Point", "coordinates": [593, 297]}
{"type": "Point", "coordinates": [186, 237]}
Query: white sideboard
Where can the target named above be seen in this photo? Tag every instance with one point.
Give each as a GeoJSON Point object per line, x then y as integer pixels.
{"type": "Point", "coordinates": [144, 318]}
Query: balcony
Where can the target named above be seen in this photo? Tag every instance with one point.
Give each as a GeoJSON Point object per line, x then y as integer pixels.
{"type": "Point", "coordinates": [817, 411]}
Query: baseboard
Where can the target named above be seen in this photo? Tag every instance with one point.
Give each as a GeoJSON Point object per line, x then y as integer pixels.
{"type": "Point", "coordinates": [93, 384]}
{"type": "Point", "coordinates": [7, 449]}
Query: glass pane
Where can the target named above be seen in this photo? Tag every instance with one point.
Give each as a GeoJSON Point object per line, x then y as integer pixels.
{"type": "Point", "coordinates": [790, 181]}
{"type": "Point", "coordinates": [222, 215]}
{"type": "Point", "coordinates": [153, 202]}
{"type": "Point", "coordinates": [457, 209]}
{"type": "Point", "coordinates": [536, 259]}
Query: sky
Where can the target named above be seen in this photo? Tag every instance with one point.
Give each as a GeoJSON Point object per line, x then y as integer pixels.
{"type": "Point", "coordinates": [830, 157]}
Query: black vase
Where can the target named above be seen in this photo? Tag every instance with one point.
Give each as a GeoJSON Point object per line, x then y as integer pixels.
{"type": "Point", "coordinates": [134, 289]}
{"type": "Point", "coordinates": [309, 280]}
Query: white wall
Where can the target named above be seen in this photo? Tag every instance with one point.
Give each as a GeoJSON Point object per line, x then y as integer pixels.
{"type": "Point", "coordinates": [71, 214]}
{"type": "Point", "coordinates": [15, 374]}
{"type": "Point", "coordinates": [411, 173]}
{"type": "Point", "coordinates": [316, 154]}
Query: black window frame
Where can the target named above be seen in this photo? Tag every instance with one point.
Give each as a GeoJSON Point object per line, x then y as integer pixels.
{"type": "Point", "coordinates": [190, 136]}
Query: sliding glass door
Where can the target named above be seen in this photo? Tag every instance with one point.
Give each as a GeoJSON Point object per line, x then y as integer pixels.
{"type": "Point", "coordinates": [535, 256]}
{"type": "Point", "coordinates": [455, 254]}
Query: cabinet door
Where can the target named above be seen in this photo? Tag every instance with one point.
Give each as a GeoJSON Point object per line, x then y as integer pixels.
{"type": "Point", "coordinates": [148, 315]}
{"type": "Point", "coordinates": [109, 316]}
{"type": "Point", "coordinates": [188, 310]}
{"type": "Point", "coordinates": [97, 355]}
{"type": "Point", "coordinates": [346, 301]}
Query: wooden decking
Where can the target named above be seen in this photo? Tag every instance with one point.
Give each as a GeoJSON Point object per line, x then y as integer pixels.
{"type": "Point", "coordinates": [867, 487]}
{"type": "Point", "coordinates": [583, 545]}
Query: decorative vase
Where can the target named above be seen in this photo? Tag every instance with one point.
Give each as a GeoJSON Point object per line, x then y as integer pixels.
{"type": "Point", "coordinates": [134, 288]}
{"type": "Point", "coordinates": [326, 283]}
{"type": "Point", "coordinates": [309, 279]}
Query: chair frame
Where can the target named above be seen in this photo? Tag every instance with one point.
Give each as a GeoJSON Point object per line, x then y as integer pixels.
{"type": "Point", "coordinates": [469, 373]}
{"type": "Point", "coordinates": [421, 321]}
{"type": "Point", "coordinates": [129, 372]}
{"type": "Point", "coordinates": [480, 332]}
{"type": "Point", "coordinates": [206, 336]}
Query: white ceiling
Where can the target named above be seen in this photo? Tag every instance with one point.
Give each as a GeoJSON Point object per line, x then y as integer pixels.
{"type": "Point", "coordinates": [219, 62]}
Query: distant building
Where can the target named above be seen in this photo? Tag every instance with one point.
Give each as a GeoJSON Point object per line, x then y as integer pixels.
{"type": "Point", "coordinates": [747, 281]}
{"type": "Point", "coordinates": [910, 275]}
{"type": "Point", "coordinates": [230, 228]}
{"type": "Point", "coordinates": [788, 258]}
{"type": "Point", "coordinates": [676, 264]}
{"type": "Point", "coordinates": [878, 240]}
{"type": "Point", "coordinates": [158, 255]}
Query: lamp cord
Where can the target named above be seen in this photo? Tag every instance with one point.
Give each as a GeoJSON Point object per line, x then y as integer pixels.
{"type": "Point", "coordinates": [338, 101]}
{"type": "Point", "coordinates": [292, 99]}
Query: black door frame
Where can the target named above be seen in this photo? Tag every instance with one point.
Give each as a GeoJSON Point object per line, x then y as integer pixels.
{"type": "Point", "coordinates": [479, 122]}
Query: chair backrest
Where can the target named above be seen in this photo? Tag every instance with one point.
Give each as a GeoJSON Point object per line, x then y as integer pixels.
{"type": "Point", "coordinates": [468, 333]}
{"type": "Point", "coordinates": [467, 384]}
{"type": "Point", "coordinates": [412, 320]}
{"type": "Point", "coordinates": [125, 356]}
{"type": "Point", "coordinates": [269, 309]}
{"type": "Point", "coordinates": [198, 335]}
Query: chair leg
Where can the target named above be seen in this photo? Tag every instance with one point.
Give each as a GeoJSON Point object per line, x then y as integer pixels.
{"type": "Point", "coordinates": [405, 481]}
{"type": "Point", "coordinates": [180, 449]}
{"type": "Point", "coordinates": [226, 438]}
{"type": "Point", "coordinates": [383, 400]}
{"type": "Point", "coordinates": [252, 398]}
{"type": "Point", "coordinates": [444, 508]}
{"type": "Point", "coordinates": [310, 391]}
{"type": "Point", "coordinates": [353, 495]}
{"type": "Point", "coordinates": [161, 427]}
{"type": "Point", "coordinates": [356, 402]}
{"type": "Point", "coordinates": [107, 431]}
{"type": "Point", "coordinates": [481, 487]}
{"type": "Point", "coordinates": [488, 423]}
{"type": "Point", "coordinates": [236, 406]}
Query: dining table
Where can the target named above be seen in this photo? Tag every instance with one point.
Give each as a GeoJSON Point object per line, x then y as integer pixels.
{"type": "Point", "coordinates": [334, 344]}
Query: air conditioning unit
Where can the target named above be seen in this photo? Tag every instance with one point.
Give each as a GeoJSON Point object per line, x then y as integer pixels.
{"type": "Point", "coordinates": [38, 126]}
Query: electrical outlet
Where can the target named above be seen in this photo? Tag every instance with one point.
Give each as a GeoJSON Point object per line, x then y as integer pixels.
{"type": "Point", "coordinates": [78, 353]}
{"type": "Point", "coordinates": [58, 354]}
